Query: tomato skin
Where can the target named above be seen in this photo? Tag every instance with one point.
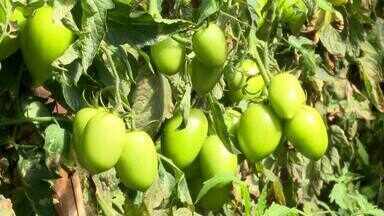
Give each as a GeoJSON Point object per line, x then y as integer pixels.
{"type": "Point", "coordinates": [203, 78]}
{"type": "Point", "coordinates": [308, 133]}
{"type": "Point", "coordinates": [42, 41]}
{"type": "Point", "coordinates": [215, 159]}
{"type": "Point", "coordinates": [210, 46]}
{"type": "Point", "coordinates": [183, 145]}
{"type": "Point", "coordinates": [102, 142]}
{"type": "Point", "coordinates": [259, 132]}
{"type": "Point", "coordinates": [253, 89]}
{"type": "Point", "coordinates": [236, 79]}
{"type": "Point", "coordinates": [79, 123]}
{"type": "Point", "coordinates": [168, 56]}
{"type": "Point", "coordinates": [286, 95]}
{"type": "Point", "coordinates": [137, 166]}
{"type": "Point", "coordinates": [8, 46]}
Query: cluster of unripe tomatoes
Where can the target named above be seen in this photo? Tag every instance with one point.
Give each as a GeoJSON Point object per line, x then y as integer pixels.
{"type": "Point", "coordinates": [101, 141]}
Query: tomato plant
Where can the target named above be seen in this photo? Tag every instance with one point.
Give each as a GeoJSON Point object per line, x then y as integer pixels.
{"type": "Point", "coordinates": [308, 133]}
{"type": "Point", "coordinates": [259, 132]}
{"type": "Point", "coordinates": [182, 145]}
{"type": "Point", "coordinates": [137, 166]}
{"type": "Point", "coordinates": [163, 107]}
{"type": "Point", "coordinates": [168, 56]}
{"type": "Point", "coordinates": [38, 56]}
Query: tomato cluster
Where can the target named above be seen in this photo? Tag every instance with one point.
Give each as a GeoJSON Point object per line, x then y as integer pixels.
{"type": "Point", "coordinates": [101, 142]}
{"type": "Point", "coordinates": [256, 132]}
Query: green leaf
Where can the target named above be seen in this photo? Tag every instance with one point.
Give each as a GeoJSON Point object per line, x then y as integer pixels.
{"type": "Point", "coordinates": [213, 182]}
{"type": "Point", "coordinates": [332, 41]}
{"type": "Point", "coordinates": [206, 9]}
{"type": "Point", "coordinates": [56, 146]}
{"type": "Point", "coordinates": [152, 101]}
{"type": "Point", "coordinates": [280, 210]}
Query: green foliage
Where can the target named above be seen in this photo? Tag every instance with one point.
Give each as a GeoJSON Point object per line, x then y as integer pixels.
{"type": "Point", "coordinates": [337, 54]}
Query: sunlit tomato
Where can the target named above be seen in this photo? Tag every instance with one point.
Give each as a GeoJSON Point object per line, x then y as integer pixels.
{"type": "Point", "coordinates": [236, 79]}
{"type": "Point", "coordinates": [210, 46]}
{"type": "Point", "coordinates": [286, 95]}
{"type": "Point", "coordinates": [308, 133]}
{"type": "Point", "coordinates": [203, 78]}
{"type": "Point", "coordinates": [42, 41]}
{"type": "Point", "coordinates": [215, 159]}
{"type": "Point", "coordinates": [8, 45]}
{"type": "Point", "coordinates": [338, 2]}
{"type": "Point", "coordinates": [253, 89]}
{"type": "Point", "coordinates": [101, 142]}
{"type": "Point", "coordinates": [182, 145]}
{"type": "Point", "coordinates": [137, 166]}
{"type": "Point", "coordinates": [259, 132]}
{"type": "Point", "coordinates": [168, 56]}
{"type": "Point", "coordinates": [80, 121]}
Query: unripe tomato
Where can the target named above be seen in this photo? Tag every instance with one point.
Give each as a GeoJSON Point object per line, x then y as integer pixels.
{"type": "Point", "coordinates": [339, 2]}
{"type": "Point", "coordinates": [236, 79]}
{"type": "Point", "coordinates": [42, 41]}
{"type": "Point", "coordinates": [102, 142]}
{"type": "Point", "coordinates": [8, 46]}
{"type": "Point", "coordinates": [259, 132]}
{"type": "Point", "coordinates": [253, 89]}
{"type": "Point", "coordinates": [248, 67]}
{"type": "Point", "coordinates": [137, 166]}
{"type": "Point", "coordinates": [308, 133]}
{"type": "Point", "coordinates": [168, 56]}
{"type": "Point", "coordinates": [210, 46]}
{"type": "Point", "coordinates": [182, 145]}
{"type": "Point", "coordinates": [215, 159]}
{"type": "Point", "coordinates": [80, 121]}
{"type": "Point", "coordinates": [286, 95]}
{"type": "Point", "coordinates": [203, 78]}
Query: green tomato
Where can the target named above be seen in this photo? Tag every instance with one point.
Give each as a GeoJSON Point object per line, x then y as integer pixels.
{"type": "Point", "coordinates": [137, 166]}
{"type": "Point", "coordinates": [215, 198]}
{"type": "Point", "coordinates": [79, 123]}
{"type": "Point", "coordinates": [168, 56]}
{"type": "Point", "coordinates": [210, 46]}
{"type": "Point", "coordinates": [253, 89]}
{"type": "Point", "coordinates": [259, 132]}
{"type": "Point", "coordinates": [248, 67]}
{"type": "Point", "coordinates": [235, 79]}
{"type": "Point", "coordinates": [42, 42]}
{"type": "Point", "coordinates": [102, 142]}
{"type": "Point", "coordinates": [203, 78]}
{"type": "Point", "coordinates": [215, 159]}
{"type": "Point", "coordinates": [308, 133]}
{"type": "Point", "coordinates": [338, 2]}
{"type": "Point", "coordinates": [286, 95]}
{"type": "Point", "coordinates": [8, 45]}
{"type": "Point", "coordinates": [182, 145]}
